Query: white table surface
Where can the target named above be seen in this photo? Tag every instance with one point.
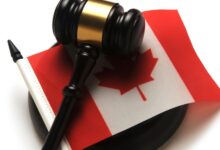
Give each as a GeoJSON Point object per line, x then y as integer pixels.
{"type": "Point", "coordinates": [29, 24]}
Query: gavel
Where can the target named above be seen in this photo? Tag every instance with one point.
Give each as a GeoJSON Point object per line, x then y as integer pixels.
{"type": "Point", "coordinates": [92, 27]}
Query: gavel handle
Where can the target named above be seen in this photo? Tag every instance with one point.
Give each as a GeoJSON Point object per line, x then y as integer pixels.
{"type": "Point", "coordinates": [85, 62]}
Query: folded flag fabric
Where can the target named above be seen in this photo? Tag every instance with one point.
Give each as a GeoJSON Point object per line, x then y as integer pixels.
{"type": "Point", "coordinates": [122, 93]}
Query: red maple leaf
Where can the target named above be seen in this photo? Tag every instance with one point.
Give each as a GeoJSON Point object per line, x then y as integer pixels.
{"type": "Point", "coordinates": [128, 72]}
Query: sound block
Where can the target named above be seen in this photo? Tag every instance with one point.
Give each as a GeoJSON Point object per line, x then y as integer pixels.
{"type": "Point", "coordinates": [149, 135]}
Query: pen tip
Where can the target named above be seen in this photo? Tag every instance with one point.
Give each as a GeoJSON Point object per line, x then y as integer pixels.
{"type": "Point", "coordinates": [15, 53]}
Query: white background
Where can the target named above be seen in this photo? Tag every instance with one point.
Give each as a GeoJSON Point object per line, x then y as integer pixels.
{"type": "Point", "coordinates": [29, 24]}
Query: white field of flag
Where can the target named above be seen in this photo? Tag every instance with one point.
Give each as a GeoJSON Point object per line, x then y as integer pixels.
{"type": "Point", "coordinates": [121, 112]}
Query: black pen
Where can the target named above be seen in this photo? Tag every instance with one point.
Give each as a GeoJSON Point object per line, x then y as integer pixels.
{"type": "Point", "coordinates": [35, 89]}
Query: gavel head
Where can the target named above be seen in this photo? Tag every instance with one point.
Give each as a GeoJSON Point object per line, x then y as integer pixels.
{"type": "Point", "coordinates": [101, 23]}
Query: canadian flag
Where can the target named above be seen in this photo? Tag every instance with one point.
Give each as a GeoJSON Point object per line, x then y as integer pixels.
{"type": "Point", "coordinates": [120, 93]}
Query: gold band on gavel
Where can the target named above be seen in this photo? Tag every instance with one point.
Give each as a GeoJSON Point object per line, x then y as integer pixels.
{"type": "Point", "coordinates": [92, 21]}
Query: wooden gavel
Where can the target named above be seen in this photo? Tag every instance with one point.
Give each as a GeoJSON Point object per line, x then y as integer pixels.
{"type": "Point", "coordinates": [91, 26]}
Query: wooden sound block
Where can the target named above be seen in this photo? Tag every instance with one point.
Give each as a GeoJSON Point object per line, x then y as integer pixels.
{"type": "Point", "coordinates": [148, 135]}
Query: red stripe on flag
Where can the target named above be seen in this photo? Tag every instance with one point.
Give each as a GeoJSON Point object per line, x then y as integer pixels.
{"type": "Point", "coordinates": [169, 29]}
{"type": "Point", "coordinates": [53, 70]}
{"type": "Point", "coordinates": [88, 127]}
